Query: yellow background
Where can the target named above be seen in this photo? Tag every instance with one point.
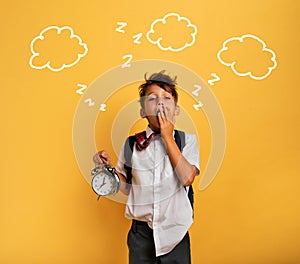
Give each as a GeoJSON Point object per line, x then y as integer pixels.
{"type": "Point", "coordinates": [49, 214]}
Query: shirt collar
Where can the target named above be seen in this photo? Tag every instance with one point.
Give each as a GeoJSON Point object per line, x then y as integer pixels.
{"type": "Point", "coordinates": [149, 131]}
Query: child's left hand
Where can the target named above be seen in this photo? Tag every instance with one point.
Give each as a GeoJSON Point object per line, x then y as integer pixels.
{"type": "Point", "coordinates": [166, 121]}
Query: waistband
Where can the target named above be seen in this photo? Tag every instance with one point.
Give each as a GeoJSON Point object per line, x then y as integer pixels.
{"type": "Point", "coordinates": [142, 224]}
{"type": "Point", "coordinates": [137, 222]}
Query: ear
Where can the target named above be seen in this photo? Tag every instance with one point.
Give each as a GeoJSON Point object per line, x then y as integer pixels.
{"type": "Point", "coordinates": [177, 110]}
{"type": "Point", "coordinates": [142, 113]}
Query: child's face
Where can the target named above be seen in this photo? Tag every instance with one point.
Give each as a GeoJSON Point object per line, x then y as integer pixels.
{"type": "Point", "coordinates": [157, 99]}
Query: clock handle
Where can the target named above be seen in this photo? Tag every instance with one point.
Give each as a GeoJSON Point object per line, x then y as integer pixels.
{"type": "Point", "coordinates": [110, 169]}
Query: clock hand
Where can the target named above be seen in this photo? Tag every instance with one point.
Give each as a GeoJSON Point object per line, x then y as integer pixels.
{"type": "Point", "coordinates": [103, 183]}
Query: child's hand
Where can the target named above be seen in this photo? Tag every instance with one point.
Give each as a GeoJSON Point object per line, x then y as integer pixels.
{"type": "Point", "coordinates": [101, 158]}
{"type": "Point", "coordinates": [166, 121]}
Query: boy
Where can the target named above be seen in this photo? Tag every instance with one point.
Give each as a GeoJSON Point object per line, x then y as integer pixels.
{"type": "Point", "coordinates": [158, 203]}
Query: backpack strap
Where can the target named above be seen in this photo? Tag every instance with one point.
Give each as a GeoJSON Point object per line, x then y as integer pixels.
{"type": "Point", "coordinates": [179, 137]}
{"type": "Point", "coordinates": [128, 150]}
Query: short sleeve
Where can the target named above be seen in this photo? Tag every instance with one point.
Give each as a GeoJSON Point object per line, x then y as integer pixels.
{"type": "Point", "coordinates": [191, 150]}
{"type": "Point", "coordinates": [121, 161]}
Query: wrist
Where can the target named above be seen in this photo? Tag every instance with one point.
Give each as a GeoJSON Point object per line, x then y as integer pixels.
{"type": "Point", "coordinates": [169, 141]}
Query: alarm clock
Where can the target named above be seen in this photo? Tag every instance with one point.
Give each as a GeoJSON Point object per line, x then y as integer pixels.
{"type": "Point", "coordinates": [105, 181]}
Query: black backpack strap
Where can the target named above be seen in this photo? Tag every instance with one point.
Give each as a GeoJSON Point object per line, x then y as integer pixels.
{"type": "Point", "coordinates": [128, 149]}
{"type": "Point", "coordinates": [179, 137]}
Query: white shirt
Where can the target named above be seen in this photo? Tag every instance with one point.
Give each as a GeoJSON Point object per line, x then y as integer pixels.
{"type": "Point", "coordinates": [157, 195]}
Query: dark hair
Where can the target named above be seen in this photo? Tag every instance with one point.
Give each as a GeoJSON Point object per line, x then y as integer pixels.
{"type": "Point", "coordinates": [161, 79]}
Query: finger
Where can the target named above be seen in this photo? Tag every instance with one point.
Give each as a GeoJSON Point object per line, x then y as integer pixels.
{"type": "Point", "coordinates": [100, 158]}
{"type": "Point", "coordinates": [105, 158]}
{"type": "Point", "coordinates": [103, 154]}
{"type": "Point", "coordinates": [164, 111]}
{"type": "Point", "coordinates": [160, 118]}
{"type": "Point", "coordinates": [98, 163]}
{"type": "Point", "coordinates": [166, 114]}
{"type": "Point", "coordinates": [96, 159]}
{"type": "Point", "coordinates": [107, 161]}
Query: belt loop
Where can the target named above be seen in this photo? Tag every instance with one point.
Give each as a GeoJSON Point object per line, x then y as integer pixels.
{"type": "Point", "coordinates": [134, 226]}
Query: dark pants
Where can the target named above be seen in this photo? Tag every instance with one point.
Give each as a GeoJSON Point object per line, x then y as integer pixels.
{"type": "Point", "coordinates": [142, 249]}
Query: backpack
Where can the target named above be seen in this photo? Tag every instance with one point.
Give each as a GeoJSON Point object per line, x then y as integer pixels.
{"type": "Point", "coordinates": [128, 149]}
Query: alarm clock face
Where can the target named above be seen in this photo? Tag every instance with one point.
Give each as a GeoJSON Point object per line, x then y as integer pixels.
{"type": "Point", "coordinates": [103, 184]}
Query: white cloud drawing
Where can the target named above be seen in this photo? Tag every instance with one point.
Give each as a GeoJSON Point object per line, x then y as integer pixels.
{"type": "Point", "coordinates": [156, 37]}
{"type": "Point", "coordinates": [49, 47]}
{"type": "Point", "coordinates": [237, 63]}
